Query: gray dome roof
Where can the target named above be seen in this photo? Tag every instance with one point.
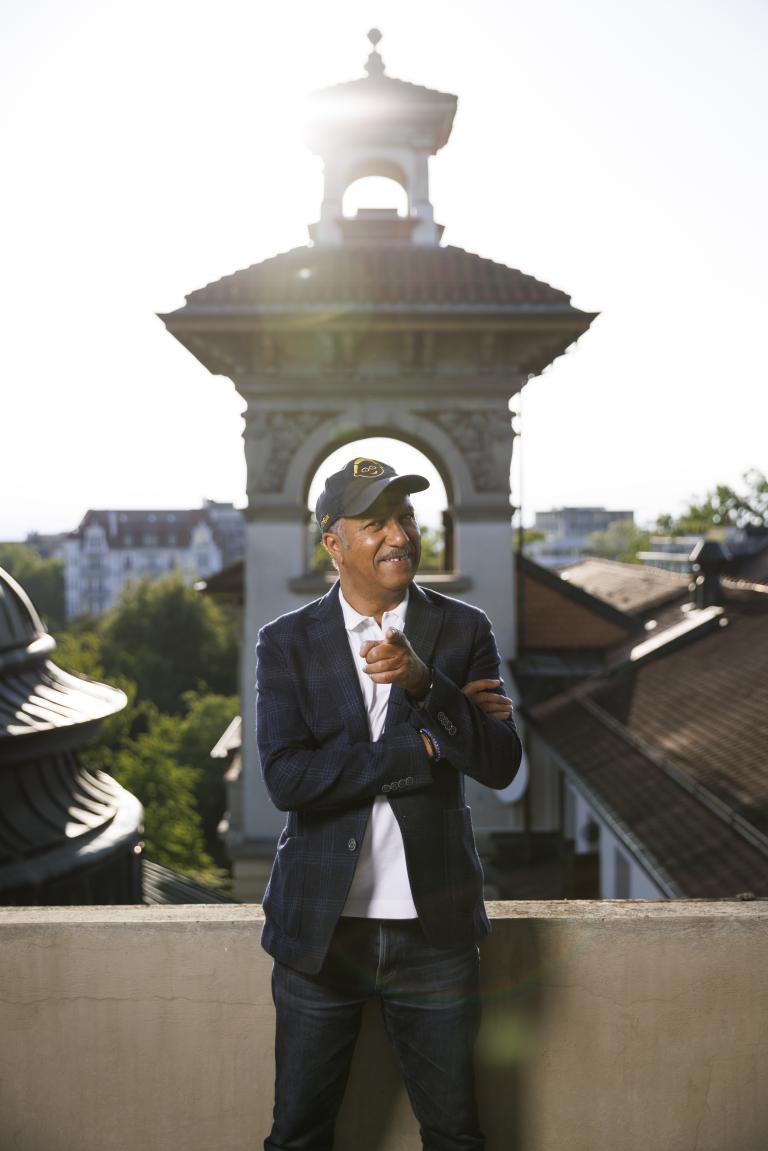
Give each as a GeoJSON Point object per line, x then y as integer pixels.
{"type": "Point", "coordinates": [20, 624]}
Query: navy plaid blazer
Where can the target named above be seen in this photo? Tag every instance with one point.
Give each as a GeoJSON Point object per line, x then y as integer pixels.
{"type": "Point", "coordinates": [321, 767]}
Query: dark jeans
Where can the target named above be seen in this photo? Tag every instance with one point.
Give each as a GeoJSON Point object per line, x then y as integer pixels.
{"type": "Point", "coordinates": [431, 1009]}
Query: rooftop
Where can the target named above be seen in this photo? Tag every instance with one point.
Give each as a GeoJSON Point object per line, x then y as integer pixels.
{"type": "Point", "coordinates": [393, 275]}
{"type": "Point", "coordinates": [666, 740]}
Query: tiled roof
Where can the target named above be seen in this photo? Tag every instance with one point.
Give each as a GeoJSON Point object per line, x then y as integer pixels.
{"type": "Point", "coordinates": [386, 88]}
{"type": "Point", "coordinates": [405, 274]}
{"type": "Point", "coordinates": [683, 842]}
{"type": "Point", "coordinates": [705, 708]}
{"type": "Point", "coordinates": [229, 582]}
{"type": "Point", "coordinates": [675, 747]}
{"type": "Point", "coordinates": [126, 529]}
{"type": "Point", "coordinates": [558, 615]}
{"type": "Point", "coordinates": [631, 588]}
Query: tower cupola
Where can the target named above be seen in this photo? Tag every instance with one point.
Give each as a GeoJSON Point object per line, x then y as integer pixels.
{"type": "Point", "coordinates": [378, 126]}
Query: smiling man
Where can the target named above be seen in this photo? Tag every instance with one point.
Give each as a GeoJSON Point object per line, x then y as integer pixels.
{"type": "Point", "coordinates": [374, 704]}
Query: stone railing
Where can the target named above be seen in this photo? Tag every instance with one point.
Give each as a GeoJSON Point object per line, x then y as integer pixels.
{"type": "Point", "coordinates": [608, 1026]}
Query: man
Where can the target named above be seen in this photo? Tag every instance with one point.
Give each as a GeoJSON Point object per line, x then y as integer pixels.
{"type": "Point", "coordinates": [365, 738]}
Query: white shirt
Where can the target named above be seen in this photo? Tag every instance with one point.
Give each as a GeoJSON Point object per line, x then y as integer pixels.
{"type": "Point", "coordinates": [380, 886]}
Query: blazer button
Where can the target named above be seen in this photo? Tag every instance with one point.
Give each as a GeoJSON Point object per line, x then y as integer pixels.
{"type": "Point", "coordinates": [352, 844]}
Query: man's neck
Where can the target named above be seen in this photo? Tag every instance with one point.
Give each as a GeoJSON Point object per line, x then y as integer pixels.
{"type": "Point", "coordinates": [370, 606]}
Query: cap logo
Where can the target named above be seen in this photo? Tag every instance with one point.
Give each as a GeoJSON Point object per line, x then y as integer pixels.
{"type": "Point", "coordinates": [367, 469]}
{"type": "Point", "coordinates": [324, 520]}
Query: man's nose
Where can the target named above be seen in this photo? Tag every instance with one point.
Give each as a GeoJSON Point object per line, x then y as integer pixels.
{"type": "Point", "coordinates": [396, 533]}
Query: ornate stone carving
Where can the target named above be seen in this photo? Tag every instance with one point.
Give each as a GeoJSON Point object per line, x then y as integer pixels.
{"type": "Point", "coordinates": [484, 439]}
{"type": "Point", "coordinates": [272, 440]}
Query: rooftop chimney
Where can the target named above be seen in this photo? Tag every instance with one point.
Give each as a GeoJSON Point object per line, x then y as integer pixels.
{"type": "Point", "coordinates": [707, 560]}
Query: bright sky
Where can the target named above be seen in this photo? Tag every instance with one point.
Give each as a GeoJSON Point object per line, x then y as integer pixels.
{"type": "Point", "coordinates": [613, 149]}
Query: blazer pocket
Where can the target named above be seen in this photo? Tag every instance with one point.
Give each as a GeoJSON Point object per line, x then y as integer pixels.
{"type": "Point", "coordinates": [462, 863]}
{"type": "Point", "coordinates": [284, 896]}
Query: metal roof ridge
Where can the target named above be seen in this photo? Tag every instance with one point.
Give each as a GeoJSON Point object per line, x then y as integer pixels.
{"type": "Point", "coordinates": [697, 620]}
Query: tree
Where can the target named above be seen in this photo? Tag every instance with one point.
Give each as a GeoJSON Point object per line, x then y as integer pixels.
{"type": "Point", "coordinates": [169, 639]}
{"type": "Point", "coordinates": [621, 540]}
{"type": "Point", "coordinates": [722, 507]}
{"type": "Point", "coordinates": [206, 718]}
{"type": "Point", "coordinates": [530, 536]}
{"type": "Point", "coordinates": [150, 767]}
{"type": "Point", "coordinates": [42, 580]}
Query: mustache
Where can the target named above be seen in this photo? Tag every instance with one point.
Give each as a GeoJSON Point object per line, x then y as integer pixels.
{"type": "Point", "coordinates": [399, 554]}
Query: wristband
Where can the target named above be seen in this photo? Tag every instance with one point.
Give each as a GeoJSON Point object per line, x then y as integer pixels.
{"type": "Point", "coordinates": [433, 743]}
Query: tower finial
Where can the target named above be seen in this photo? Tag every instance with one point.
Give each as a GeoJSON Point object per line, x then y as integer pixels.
{"type": "Point", "coordinates": [374, 65]}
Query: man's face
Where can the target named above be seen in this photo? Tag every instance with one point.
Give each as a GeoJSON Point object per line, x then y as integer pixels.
{"type": "Point", "coordinates": [379, 551]}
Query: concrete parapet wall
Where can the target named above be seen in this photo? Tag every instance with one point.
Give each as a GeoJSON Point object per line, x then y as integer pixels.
{"type": "Point", "coordinates": [624, 1026]}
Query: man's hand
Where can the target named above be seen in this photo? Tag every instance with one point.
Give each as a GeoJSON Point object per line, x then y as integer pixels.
{"type": "Point", "coordinates": [393, 660]}
{"type": "Point", "coordinates": [483, 693]}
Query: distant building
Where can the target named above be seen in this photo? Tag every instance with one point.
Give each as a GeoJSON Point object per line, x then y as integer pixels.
{"type": "Point", "coordinates": [745, 549]}
{"type": "Point", "coordinates": [111, 547]}
{"type": "Point", "coordinates": [566, 531]}
{"type": "Point", "coordinates": [47, 546]}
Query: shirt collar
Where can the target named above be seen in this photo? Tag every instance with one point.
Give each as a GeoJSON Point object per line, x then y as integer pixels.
{"type": "Point", "coordinates": [353, 619]}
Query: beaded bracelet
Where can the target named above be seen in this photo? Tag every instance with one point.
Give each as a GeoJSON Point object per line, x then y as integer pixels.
{"type": "Point", "coordinates": [437, 756]}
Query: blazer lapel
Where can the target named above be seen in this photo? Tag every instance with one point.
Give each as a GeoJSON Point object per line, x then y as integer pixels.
{"type": "Point", "coordinates": [332, 650]}
{"type": "Point", "coordinates": [423, 621]}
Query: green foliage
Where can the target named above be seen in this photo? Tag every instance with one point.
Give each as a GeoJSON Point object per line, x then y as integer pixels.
{"type": "Point", "coordinates": [150, 767]}
{"type": "Point", "coordinates": [168, 639]}
{"type": "Point", "coordinates": [79, 650]}
{"type": "Point", "coordinates": [432, 549]}
{"type": "Point", "coordinates": [205, 720]}
{"type": "Point", "coordinates": [174, 653]}
{"type": "Point", "coordinates": [530, 536]}
{"type": "Point", "coordinates": [42, 580]}
{"type": "Point", "coordinates": [722, 507]}
{"type": "Point", "coordinates": [621, 540]}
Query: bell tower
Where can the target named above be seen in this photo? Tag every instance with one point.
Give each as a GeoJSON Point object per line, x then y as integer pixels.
{"type": "Point", "coordinates": [376, 328]}
{"type": "Point", "coordinates": [378, 126]}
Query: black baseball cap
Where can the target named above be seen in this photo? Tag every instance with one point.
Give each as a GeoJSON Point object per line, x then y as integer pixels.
{"type": "Point", "coordinates": [353, 489]}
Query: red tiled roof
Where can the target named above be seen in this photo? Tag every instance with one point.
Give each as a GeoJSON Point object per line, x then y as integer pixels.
{"type": "Point", "coordinates": [382, 274]}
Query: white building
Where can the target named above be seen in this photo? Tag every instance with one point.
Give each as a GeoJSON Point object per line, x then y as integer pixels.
{"type": "Point", "coordinates": [566, 533]}
{"type": "Point", "coordinates": [109, 548]}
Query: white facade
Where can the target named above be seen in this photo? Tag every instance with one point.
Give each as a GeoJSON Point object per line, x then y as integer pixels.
{"type": "Point", "coordinates": [621, 874]}
{"type": "Point", "coordinates": [112, 547]}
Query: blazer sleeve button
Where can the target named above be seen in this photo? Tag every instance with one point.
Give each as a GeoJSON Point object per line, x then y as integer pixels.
{"type": "Point", "coordinates": [386, 787]}
{"type": "Point", "coordinates": [352, 844]}
{"type": "Point", "coordinates": [409, 781]}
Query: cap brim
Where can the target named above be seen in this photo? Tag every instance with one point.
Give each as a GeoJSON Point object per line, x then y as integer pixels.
{"type": "Point", "coordinates": [364, 499]}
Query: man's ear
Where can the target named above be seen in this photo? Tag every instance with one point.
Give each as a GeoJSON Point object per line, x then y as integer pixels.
{"type": "Point", "coordinates": [332, 545]}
